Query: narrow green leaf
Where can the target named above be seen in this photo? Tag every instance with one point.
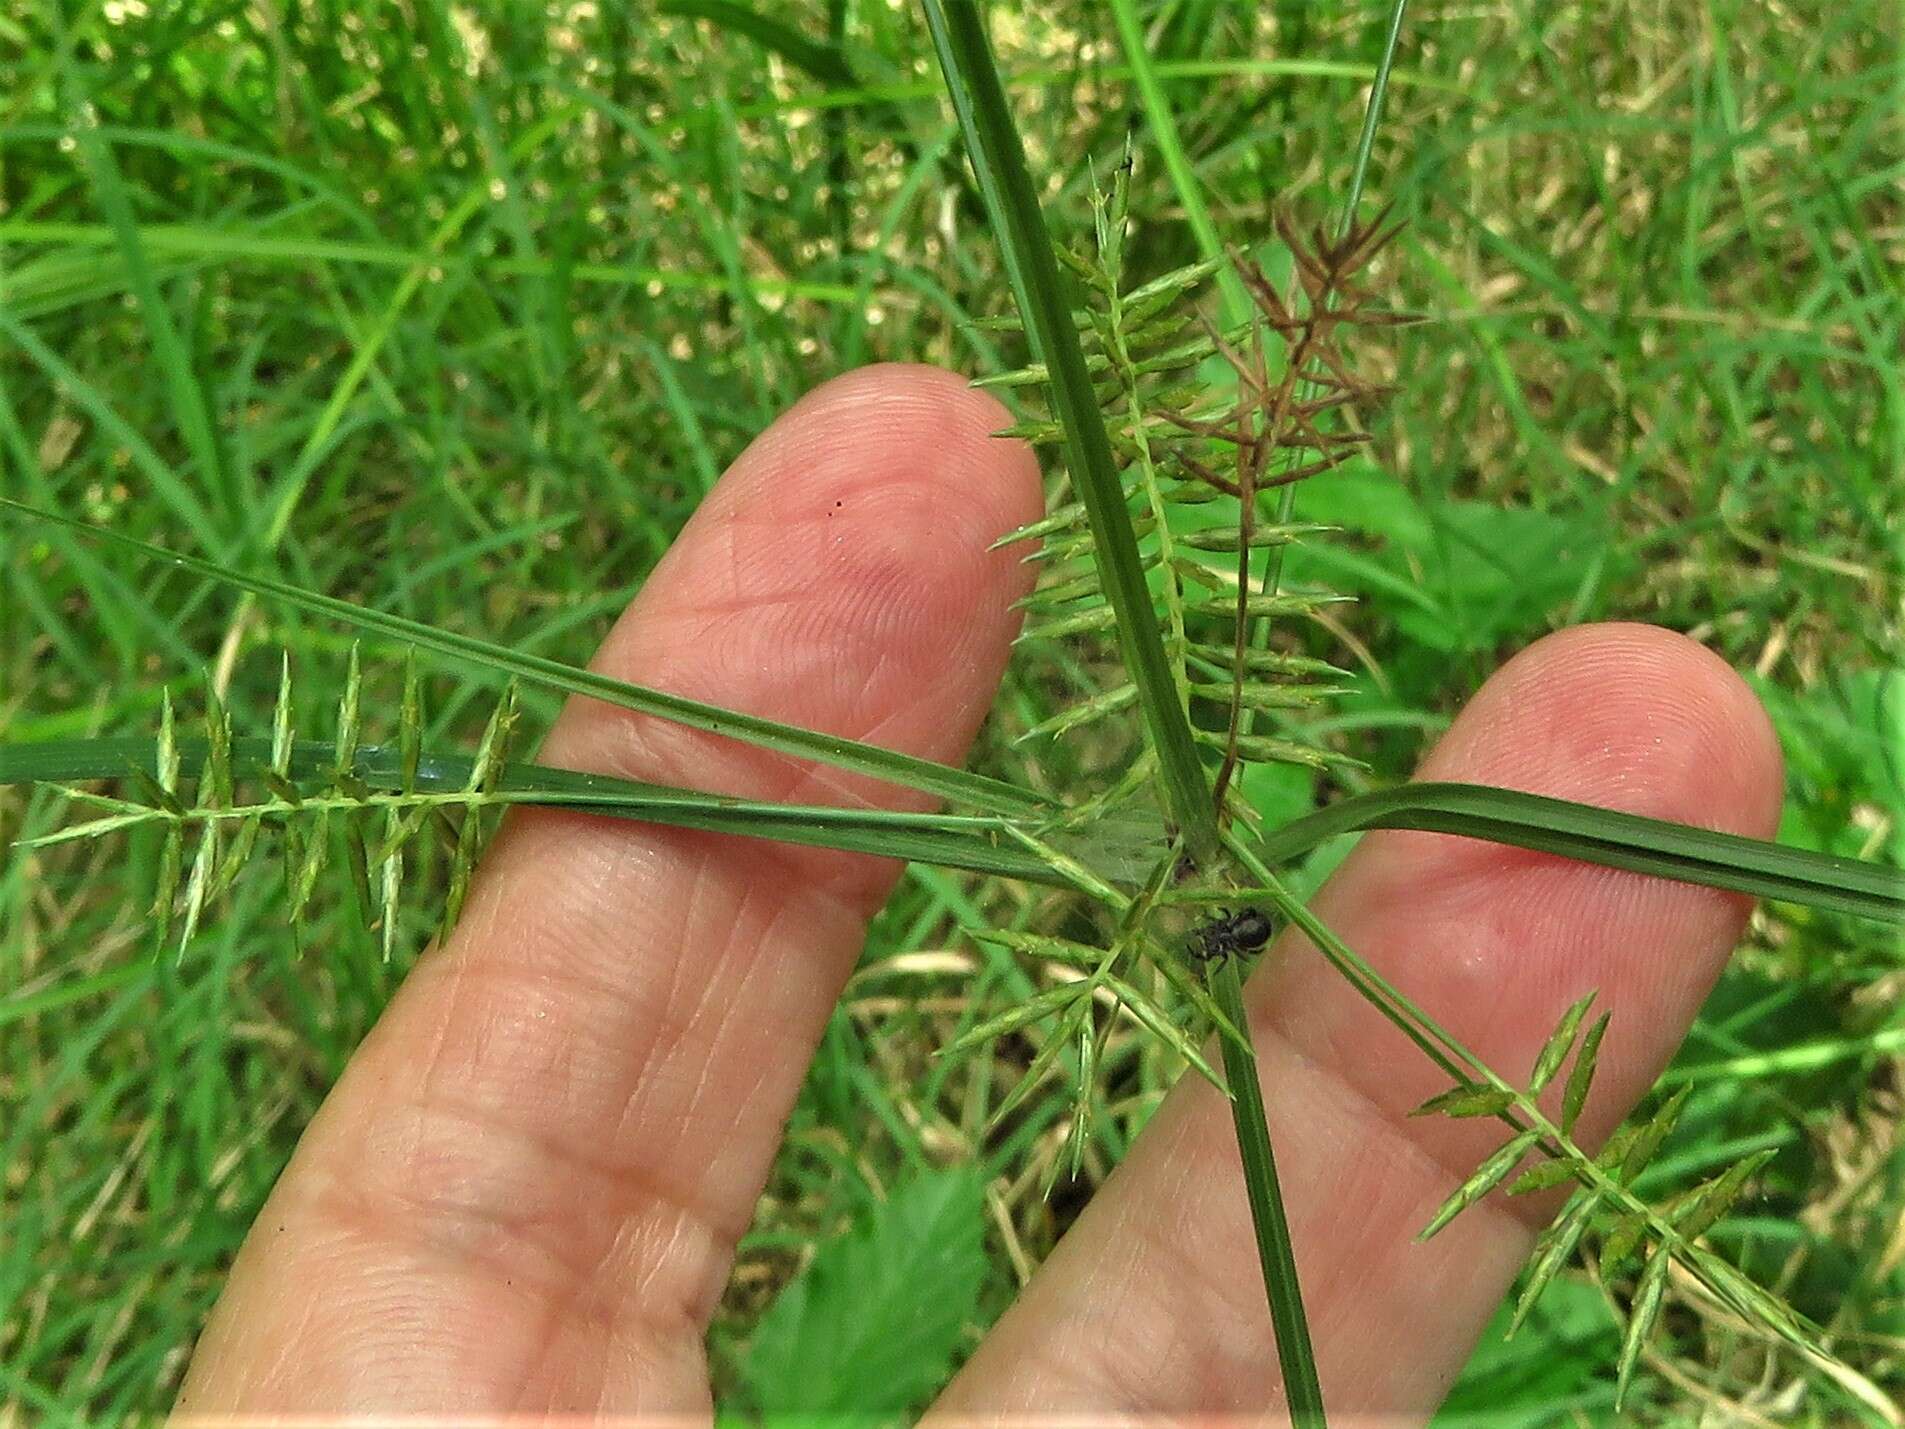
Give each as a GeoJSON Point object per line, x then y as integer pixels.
{"type": "Point", "coordinates": [981, 843]}
{"type": "Point", "coordinates": [821, 60]}
{"type": "Point", "coordinates": [956, 785]}
{"type": "Point", "coordinates": [1581, 1076]}
{"type": "Point", "coordinates": [1641, 1320]}
{"type": "Point", "coordinates": [1296, 1356]}
{"type": "Point", "coordinates": [171, 352]}
{"type": "Point", "coordinates": [1487, 1176]}
{"type": "Point", "coordinates": [1610, 838]}
{"type": "Point", "coordinates": [1555, 1052]}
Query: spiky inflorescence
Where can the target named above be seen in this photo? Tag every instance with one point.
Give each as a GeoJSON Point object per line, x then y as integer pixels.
{"type": "Point", "coordinates": [1197, 457]}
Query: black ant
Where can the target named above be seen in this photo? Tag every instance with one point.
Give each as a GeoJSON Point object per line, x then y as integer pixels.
{"type": "Point", "coordinates": [1240, 931]}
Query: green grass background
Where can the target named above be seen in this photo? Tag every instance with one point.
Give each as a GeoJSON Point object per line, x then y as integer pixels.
{"type": "Point", "coordinates": [459, 315]}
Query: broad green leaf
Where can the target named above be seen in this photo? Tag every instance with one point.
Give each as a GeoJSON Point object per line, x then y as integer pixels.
{"type": "Point", "coordinates": [871, 1326]}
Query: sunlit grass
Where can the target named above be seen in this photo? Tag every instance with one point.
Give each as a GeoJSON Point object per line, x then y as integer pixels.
{"type": "Point", "coordinates": [470, 346]}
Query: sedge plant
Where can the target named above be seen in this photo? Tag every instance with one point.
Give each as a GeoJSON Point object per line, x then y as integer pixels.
{"type": "Point", "coordinates": [1185, 428]}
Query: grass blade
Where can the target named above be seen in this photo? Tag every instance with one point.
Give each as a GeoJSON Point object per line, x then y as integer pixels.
{"type": "Point", "coordinates": [1163, 126]}
{"type": "Point", "coordinates": [1372, 114]}
{"type": "Point", "coordinates": [170, 351]}
{"type": "Point", "coordinates": [823, 61]}
{"type": "Point", "coordinates": [1605, 836]}
{"type": "Point", "coordinates": [956, 785]}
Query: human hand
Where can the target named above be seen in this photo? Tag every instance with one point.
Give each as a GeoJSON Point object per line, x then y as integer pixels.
{"type": "Point", "coordinates": [525, 1191]}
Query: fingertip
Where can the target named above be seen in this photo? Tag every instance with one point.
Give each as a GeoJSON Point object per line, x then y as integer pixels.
{"type": "Point", "coordinates": [840, 576]}
{"type": "Point", "coordinates": [911, 423]}
{"type": "Point", "coordinates": [1502, 939]}
{"type": "Point", "coordinates": [1627, 716]}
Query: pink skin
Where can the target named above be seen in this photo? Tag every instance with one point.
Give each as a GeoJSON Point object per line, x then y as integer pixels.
{"type": "Point", "coordinates": [525, 1192]}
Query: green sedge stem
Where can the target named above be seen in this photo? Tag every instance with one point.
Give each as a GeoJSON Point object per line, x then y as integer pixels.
{"type": "Point", "coordinates": [1294, 1354]}
{"type": "Point", "coordinates": [992, 141]}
